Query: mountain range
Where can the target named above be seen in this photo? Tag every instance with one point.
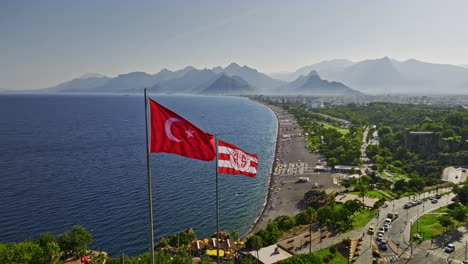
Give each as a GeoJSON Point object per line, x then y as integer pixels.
{"type": "Point", "coordinates": [333, 77]}
{"type": "Point", "coordinates": [387, 75]}
{"type": "Point", "coordinates": [231, 80]}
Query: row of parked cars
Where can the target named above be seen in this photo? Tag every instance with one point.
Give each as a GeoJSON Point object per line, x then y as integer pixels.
{"type": "Point", "coordinates": [383, 245]}
{"type": "Point", "coordinates": [412, 204]}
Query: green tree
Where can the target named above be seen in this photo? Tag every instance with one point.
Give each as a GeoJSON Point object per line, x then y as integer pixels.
{"type": "Point", "coordinates": [76, 241]}
{"type": "Point", "coordinates": [354, 206]}
{"type": "Point", "coordinates": [275, 232]}
{"type": "Point", "coordinates": [445, 221]}
{"type": "Point", "coordinates": [27, 252]}
{"type": "Point", "coordinates": [49, 246]}
{"type": "Point", "coordinates": [462, 194]}
{"type": "Point", "coordinates": [306, 216]}
{"type": "Point", "coordinates": [315, 198]}
{"type": "Point", "coordinates": [416, 184]}
{"type": "Point", "coordinates": [286, 222]}
{"type": "Point", "coordinates": [255, 243]}
{"type": "Point", "coordinates": [459, 213]}
{"type": "Point", "coordinates": [234, 235]}
{"type": "Point", "coordinates": [310, 258]}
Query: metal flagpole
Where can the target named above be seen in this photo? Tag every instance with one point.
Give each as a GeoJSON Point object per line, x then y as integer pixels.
{"type": "Point", "coordinates": [150, 197]}
{"type": "Point", "coordinates": [217, 201]}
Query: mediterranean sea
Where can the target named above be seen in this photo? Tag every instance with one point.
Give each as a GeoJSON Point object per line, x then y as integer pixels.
{"type": "Point", "coordinates": [70, 160]}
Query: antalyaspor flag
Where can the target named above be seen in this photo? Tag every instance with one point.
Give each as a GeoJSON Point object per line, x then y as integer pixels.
{"type": "Point", "coordinates": [233, 160]}
{"type": "Point", "coordinates": [171, 133]}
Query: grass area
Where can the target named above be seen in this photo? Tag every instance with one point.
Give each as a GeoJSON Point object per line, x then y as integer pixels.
{"type": "Point", "coordinates": [337, 257]}
{"type": "Point", "coordinates": [389, 176]}
{"type": "Point", "coordinates": [429, 226]}
{"type": "Point", "coordinates": [343, 131]}
{"type": "Point", "coordinates": [441, 210]}
{"type": "Point", "coordinates": [374, 194]}
{"type": "Point", "coordinates": [361, 219]}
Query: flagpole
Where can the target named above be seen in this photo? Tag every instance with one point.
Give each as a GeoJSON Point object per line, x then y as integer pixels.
{"type": "Point", "coordinates": [150, 197]}
{"type": "Point", "coordinates": [217, 201]}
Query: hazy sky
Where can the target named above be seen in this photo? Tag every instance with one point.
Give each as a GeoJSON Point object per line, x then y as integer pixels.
{"type": "Point", "coordinates": [46, 42]}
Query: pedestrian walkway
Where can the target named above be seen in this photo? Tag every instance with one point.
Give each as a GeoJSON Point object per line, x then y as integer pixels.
{"type": "Point", "coordinates": [389, 257]}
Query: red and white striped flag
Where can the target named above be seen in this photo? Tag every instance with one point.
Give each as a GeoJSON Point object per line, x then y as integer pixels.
{"type": "Point", "coordinates": [233, 160]}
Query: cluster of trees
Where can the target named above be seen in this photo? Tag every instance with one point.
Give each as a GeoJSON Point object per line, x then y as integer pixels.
{"type": "Point", "coordinates": [338, 148]}
{"type": "Point", "coordinates": [339, 219]}
{"type": "Point", "coordinates": [462, 193]}
{"type": "Point", "coordinates": [276, 228]}
{"type": "Point", "coordinates": [178, 240]}
{"type": "Point", "coordinates": [310, 258]}
{"type": "Point", "coordinates": [47, 248]}
{"type": "Point", "coordinates": [392, 119]}
{"type": "Point", "coordinates": [456, 212]}
{"type": "Point", "coordinates": [179, 257]}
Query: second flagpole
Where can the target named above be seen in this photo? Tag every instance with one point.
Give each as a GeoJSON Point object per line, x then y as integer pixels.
{"type": "Point", "coordinates": [217, 200]}
{"type": "Point", "coordinates": [150, 196]}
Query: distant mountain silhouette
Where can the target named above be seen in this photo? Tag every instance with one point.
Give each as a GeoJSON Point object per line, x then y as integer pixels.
{"type": "Point", "coordinates": [229, 85]}
{"type": "Point", "coordinates": [384, 75]}
{"type": "Point", "coordinates": [324, 68]}
{"type": "Point", "coordinates": [253, 77]}
{"type": "Point", "coordinates": [84, 83]}
{"type": "Point", "coordinates": [370, 74]}
{"type": "Point", "coordinates": [312, 84]}
{"type": "Point", "coordinates": [191, 82]}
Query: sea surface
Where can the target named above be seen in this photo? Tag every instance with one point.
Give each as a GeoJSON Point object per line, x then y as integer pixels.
{"type": "Point", "coordinates": [70, 160]}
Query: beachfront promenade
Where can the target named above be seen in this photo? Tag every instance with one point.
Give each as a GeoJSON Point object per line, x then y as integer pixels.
{"type": "Point", "coordinates": [292, 161]}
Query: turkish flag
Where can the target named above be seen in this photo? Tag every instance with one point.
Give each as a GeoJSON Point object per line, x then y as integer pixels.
{"type": "Point", "coordinates": [171, 133]}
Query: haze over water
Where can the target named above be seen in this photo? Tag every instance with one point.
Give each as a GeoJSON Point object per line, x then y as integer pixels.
{"type": "Point", "coordinates": [80, 160]}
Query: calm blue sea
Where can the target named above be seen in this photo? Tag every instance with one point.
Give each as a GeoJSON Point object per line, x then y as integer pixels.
{"type": "Point", "coordinates": [80, 160]}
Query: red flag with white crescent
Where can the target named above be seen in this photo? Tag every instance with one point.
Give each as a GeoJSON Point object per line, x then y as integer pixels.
{"type": "Point", "coordinates": [171, 133]}
{"type": "Point", "coordinates": [233, 160]}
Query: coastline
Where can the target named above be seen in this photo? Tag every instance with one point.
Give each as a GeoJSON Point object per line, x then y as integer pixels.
{"type": "Point", "coordinates": [292, 160]}
{"type": "Point", "coordinates": [272, 180]}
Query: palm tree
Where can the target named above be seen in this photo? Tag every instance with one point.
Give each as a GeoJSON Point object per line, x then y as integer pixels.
{"type": "Point", "coordinates": [256, 243]}
{"type": "Point", "coordinates": [234, 235]}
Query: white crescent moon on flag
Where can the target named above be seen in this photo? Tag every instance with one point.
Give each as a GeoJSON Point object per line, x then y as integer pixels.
{"type": "Point", "coordinates": [167, 128]}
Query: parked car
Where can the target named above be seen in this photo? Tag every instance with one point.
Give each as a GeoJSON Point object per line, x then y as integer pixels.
{"type": "Point", "coordinates": [449, 248]}
{"type": "Point", "coordinates": [434, 201]}
{"type": "Point", "coordinates": [392, 215]}
{"type": "Point", "coordinates": [382, 229]}
{"type": "Point", "coordinates": [380, 236]}
{"type": "Point", "coordinates": [407, 206]}
{"type": "Point", "coordinates": [388, 221]}
{"type": "Point", "coordinates": [386, 227]}
{"type": "Point", "coordinates": [418, 202]}
{"type": "Point", "coordinates": [371, 230]}
{"type": "Point", "coordinates": [438, 196]}
{"type": "Point", "coordinates": [383, 245]}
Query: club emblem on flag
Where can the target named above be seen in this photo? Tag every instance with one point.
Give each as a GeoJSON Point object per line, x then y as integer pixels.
{"type": "Point", "coordinates": [233, 160]}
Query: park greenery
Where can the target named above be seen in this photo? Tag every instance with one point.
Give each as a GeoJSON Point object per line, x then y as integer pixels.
{"type": "Point", "coordinates": [339, 148]}
{"type": "Point", "coordinates": [423, 168]}
{"type": "Point", "coordinates": [47, 248]}
{"type": "Point", "coordinates": [440, 221]}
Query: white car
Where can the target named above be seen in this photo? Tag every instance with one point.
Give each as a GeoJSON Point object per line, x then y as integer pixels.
{"type": "Point", "coordinates": [379, 236]}
{"type": "Point", "coordinates": [449, 248]}
{"type": "Point", "coordinates": [388, 221]}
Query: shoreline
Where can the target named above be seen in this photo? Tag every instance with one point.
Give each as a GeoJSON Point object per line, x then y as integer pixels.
{"type": "Point", "coordinates": [272, 181]}
{"type": "Point", "coordinates": [292, 160]}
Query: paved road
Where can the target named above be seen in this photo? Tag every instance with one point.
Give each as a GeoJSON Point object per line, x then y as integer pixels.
{"type": "Point", "coordinates": [399, 233]}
